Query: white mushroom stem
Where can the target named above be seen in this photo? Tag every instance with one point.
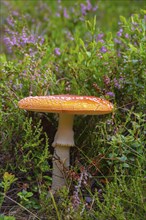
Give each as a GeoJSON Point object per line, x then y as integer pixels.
{"type": "Point", "coordinates": [64, 135]}
{"type": "Point", "coordinates": [63, 140]}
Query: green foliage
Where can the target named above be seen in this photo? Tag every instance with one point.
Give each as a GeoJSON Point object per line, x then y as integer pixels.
{"type": "Point", "coordinates": [128, 144]}
{"type": "Point", "coordinates": [8, 180]}
{"type": "Point", "coordinates": [2, 217]}
{"type": "Point", "coordinates": [74, 48]}
{"type": "Point", "coordinates": [33, 150]}
{"type": "Point", "coordinates": [27, 200]}
{"type": "Point", "coordinates": [123, 198]}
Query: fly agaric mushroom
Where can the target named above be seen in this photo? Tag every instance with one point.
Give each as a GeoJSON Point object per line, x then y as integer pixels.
{"type": "Point", "coordinates": [66, 106]}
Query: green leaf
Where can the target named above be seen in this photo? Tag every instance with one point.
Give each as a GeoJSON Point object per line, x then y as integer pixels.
{"type": "Point", "coordinates": [134, 49]}
{"type": "Point", "coordinates": [123, 20]}
{"type": "Point", "coordinates": [88, 53]}
{"type": "Point", "coordinates": [82, 44]}
{"type": "Point", "coordinates": [4, 217]}
{"type": "Point", "coordinates": [123, 158]}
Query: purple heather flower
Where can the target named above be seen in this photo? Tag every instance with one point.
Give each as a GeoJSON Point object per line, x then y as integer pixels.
{"type": "Point", "coordinates": [75, 199]}
{"type": "Point", "coordinates": [20, 85]}
{"type": "Point", "coordinates": [57, 51]}
{"type": "Point", "coordinates": [102, 41]}
{"type": "Point", "coordinates": [82, 180]}
{"type": "Point", "coordinates": [103, 49]}
{"type": "Point", "coordinates": [8, 44]}
{"type": "Point", "coordinates": [69, 35]}
{"type": "Point", "coordinates": [119, 33]}
{"type": "Point", "coordinates": [57, 14]}
{"type": "Point", "coordinates": [111, 94]}
{"type": "Point", "coordinates": [83, 9]}
{"type": "Point", "coordinates": [100, 190]}
{"type": "Point", "coordinates": [109, 122]}
{"type": "Point", "coordinates": [6, 3]}
{"type": "Point", "coordinates": [14, 41]}
{"type": "Point", "coordinates": [31, 52]}
{"type": "Point", "coordinates": [99, 37]}
{"type": "Point", "coordinates": [106, 80]}
{"type": "Point", "coordinates": [88, 199]}
{"type": "Point", "coordinates": [133, 28]}
{"type": "Point", "coordinates": [135, 23]}
{"type": "Point", "coordinates": [32, 39]}
{"type": "Point", "coordinates": [89, 6]}
{"type": "Point", "coordinates": [15, 13]}
{"type": "Point", "coordinates": [65, 14]}
{"type": "Point", "coordinates": [116, 83]}
{"type": "Point", "coordinates": [126, 35]}
{"type": "Point", "coordinates": [95, 8]}
{"type": "Point", "coordinates": [119, 53]}
{"type": "Point", "coordinates": [41, 39]}
{"type": "Point", "coordinates": [10, 21]}
{"type": "Point", "coordinates": [117, 41]}
{"type": "Point", "coordinates": [13, 38]}
{"type": "Point", "coordinates": [56, 68]}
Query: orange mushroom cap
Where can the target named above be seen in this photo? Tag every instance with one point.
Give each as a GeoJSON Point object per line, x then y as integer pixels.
{"type": "Point", "coordinates": [70, 104]}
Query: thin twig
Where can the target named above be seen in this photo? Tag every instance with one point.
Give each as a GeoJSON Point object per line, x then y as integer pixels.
{"type": "Point", "coordinates": [19, 205]}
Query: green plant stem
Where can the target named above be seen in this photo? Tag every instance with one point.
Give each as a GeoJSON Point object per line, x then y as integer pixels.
{"type": "Point", "coordinates": [55, 206]}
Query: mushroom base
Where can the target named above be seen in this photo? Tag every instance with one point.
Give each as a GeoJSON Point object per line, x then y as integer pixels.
{"type": "Point", "coordinates": [61, 163]}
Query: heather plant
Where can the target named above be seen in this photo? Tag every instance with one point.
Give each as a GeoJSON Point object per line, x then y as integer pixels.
{"type": "Point", "coordinates": [67, 47]}
{"type": "Point", "coordinates": [8, 180]}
